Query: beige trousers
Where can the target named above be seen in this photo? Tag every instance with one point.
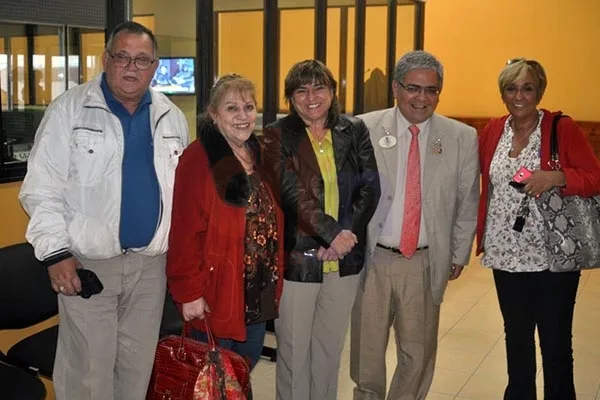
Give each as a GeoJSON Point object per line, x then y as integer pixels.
{"type": "Point", "coordinates": [311, 330]}
{"type": "Point", "coordinates": [396, 293]}
{"type": "Point", "coordinates": [106, 343]}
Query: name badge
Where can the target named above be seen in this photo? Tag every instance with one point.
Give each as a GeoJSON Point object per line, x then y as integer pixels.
{"type": "Point", "coordinates": [388, 141]}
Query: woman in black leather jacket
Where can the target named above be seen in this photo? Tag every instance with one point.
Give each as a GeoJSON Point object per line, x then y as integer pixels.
{"type": "Point", "coordinates": [324, 172]}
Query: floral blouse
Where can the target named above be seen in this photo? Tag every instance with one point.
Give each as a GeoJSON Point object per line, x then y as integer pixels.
{"type": "Point", "coordinates": [505, 248]}
{"type": "Point", "coordinates": [260, 259]}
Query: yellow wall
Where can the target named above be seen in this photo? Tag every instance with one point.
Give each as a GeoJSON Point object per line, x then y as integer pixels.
{"type": "Point", "coordinates": [472, 38]}
{"type": "Point", "coordinates": [241, 47]}
{"type": "Point", "coordinates": [475, 38]}
{"type": "Point", "coordinates": [14, 219]}
{"type": "Point", "coordinates": [146, 20]}
{"type": "Point", "coordinates": [294, 47]}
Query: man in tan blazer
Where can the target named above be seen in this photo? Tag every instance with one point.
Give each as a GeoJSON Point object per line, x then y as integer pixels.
{"type": "Point", "coordinates": [420, 236]}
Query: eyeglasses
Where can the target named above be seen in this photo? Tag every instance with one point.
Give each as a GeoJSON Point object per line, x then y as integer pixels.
{"type": "Point", "coordinates": [414, 90]}
{"type": "Point", "coordinates": [122, 61]}
{"type": "Point", "coordinates": [533, 63]}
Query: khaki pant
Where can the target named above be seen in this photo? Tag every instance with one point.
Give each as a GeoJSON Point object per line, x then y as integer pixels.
{"type": "Point", "coordinates": [396, 293]}
{"type": "Point", "coordinates": [106, 343]}
{"type": "Point", "coordinates": [311, 330]}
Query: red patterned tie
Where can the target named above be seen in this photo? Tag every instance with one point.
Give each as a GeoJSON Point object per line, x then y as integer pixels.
{"type": "Point", "coordinates": [412, 198]}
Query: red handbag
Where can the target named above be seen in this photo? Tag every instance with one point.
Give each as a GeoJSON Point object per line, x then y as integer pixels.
{"type": "Point", "coordinates": [187, 369]}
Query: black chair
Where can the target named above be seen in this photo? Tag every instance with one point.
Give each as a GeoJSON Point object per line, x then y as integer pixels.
{"type": "Point", "coordinates": [30, 300]}
{"type": "Point", "coordinates": [36, 352]}
{"type": "Point", "coordinates": [270, 353]}
{"type": "Point", "coordinates": [16, 384]}
{"type": "Point", "coordinates": [26, 299]}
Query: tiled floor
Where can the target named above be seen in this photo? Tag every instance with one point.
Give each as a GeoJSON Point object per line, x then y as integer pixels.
{"type": "Point", "coordinates": [471, 364]}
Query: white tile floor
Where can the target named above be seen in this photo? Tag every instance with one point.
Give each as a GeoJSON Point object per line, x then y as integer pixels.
{"type": "Point", "coordinates": [471, 363]}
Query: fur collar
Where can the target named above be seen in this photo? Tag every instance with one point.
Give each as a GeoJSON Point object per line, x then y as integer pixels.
{"type": "Point", "coordinates": [231, 181]}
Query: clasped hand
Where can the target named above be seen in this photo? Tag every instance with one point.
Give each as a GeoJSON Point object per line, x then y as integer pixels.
{"type": "Point", "coordinates": [343, 244]}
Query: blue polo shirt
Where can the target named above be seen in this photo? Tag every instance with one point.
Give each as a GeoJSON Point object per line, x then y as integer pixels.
{"type": "Point", "coordinates": [140, 191]}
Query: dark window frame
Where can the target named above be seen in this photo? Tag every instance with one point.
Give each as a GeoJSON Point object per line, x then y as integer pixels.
{"type": "Point", "coordinates": [207, 41]}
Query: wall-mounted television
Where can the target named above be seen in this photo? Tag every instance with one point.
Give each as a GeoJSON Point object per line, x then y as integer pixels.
{"type": "Point", "coordinates": [174, 75]}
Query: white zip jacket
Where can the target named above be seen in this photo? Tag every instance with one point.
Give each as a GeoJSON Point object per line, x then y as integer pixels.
{"type": "Point", "coordinates": [72, 190]}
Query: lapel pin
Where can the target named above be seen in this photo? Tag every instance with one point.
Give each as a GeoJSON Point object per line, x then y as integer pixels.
{"type": "Point", "coordinates": [388, 141]}
{"type": "Point", "coordinates": [437, 146]}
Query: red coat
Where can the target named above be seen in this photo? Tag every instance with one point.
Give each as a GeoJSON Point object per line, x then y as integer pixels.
{"type": "Point", "coordinates": [206, 243]}
{"type": "Point", "coordinates": [577, 158]}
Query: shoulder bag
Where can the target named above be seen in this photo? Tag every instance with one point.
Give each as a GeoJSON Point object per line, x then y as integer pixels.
{"type": "Point", "coordinates": [572, 223]}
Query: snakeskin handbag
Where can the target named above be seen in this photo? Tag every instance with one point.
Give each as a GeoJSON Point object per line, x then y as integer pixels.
{"type": "Point", "coordinates": [572, 223]}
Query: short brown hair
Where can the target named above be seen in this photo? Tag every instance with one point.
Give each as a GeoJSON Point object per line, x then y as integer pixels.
{"type": "Point", "coordinates": [312, 71]}
{"type": "Point", "coordinates": [517, 68]}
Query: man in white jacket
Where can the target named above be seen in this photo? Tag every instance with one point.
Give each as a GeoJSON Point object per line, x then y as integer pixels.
{"type": "Point", "coordinates": [99, 191]}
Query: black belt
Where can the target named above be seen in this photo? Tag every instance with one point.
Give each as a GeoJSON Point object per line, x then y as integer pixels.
{"type": "Point", "coordinates": [396, 250]}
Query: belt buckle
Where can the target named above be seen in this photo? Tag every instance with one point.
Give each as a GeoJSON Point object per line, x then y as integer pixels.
{"type": "Point", "coordinates": [396, 250]}
{"type": "Point", "coordinates": [390, 248]}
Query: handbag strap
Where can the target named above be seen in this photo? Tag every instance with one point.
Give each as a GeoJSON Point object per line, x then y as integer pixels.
{"type": "Point", "coordinates": [554, 161]}
{"type": "Point", "coordinates": [214, 354]}
{"type": "Point", "coordinates": [186, 332]}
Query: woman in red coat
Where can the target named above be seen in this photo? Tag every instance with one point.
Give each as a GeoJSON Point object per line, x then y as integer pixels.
{"type": "Point", "coordinates": [225, 257]}
{"type": "Point", "coordinates": [529, 294]}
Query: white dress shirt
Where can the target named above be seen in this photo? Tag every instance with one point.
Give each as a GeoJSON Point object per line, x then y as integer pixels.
{"type": "Point", "coordinates": [392, 228]}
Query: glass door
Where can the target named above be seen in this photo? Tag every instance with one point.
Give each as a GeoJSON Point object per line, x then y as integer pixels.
{"type": "Point", "coordinates": [37, 64]}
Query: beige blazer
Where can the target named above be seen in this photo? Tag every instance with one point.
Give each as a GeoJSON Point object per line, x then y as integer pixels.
{"type": "Point", "coordinates": [450, 191]}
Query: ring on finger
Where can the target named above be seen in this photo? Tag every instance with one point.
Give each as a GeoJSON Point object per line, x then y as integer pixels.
{"type": "Point", "coordinates": [61, 289]}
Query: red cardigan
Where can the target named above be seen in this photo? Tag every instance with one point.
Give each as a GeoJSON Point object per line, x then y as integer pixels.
{"type": "Point", "coordinates": [577, 158]}
{"type": "Point", "coordinates": [206, 242]}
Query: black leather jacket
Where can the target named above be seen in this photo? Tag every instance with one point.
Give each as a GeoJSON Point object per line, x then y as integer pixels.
{"type": "Point", "coordinates": [296, 178]}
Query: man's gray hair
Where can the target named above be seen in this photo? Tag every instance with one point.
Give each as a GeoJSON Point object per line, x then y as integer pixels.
{"type": "Point", "coordinates": [131, 28]}
{"type": "Point", "coordinates": [418, 59]}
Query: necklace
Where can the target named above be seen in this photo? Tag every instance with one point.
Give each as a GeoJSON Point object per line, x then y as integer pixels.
{"type": "Point", "coordinates": [244, 159]}
{"type": "Point", "coordinates": [515, 143]}
{"type": "Point", "coordinates": [321, 149]}
{"type": "Point", "coordinates": [319, 137]}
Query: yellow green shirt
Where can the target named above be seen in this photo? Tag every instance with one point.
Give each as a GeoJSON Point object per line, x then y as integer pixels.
{"type": "Point", "coordinates": [326, 159]}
